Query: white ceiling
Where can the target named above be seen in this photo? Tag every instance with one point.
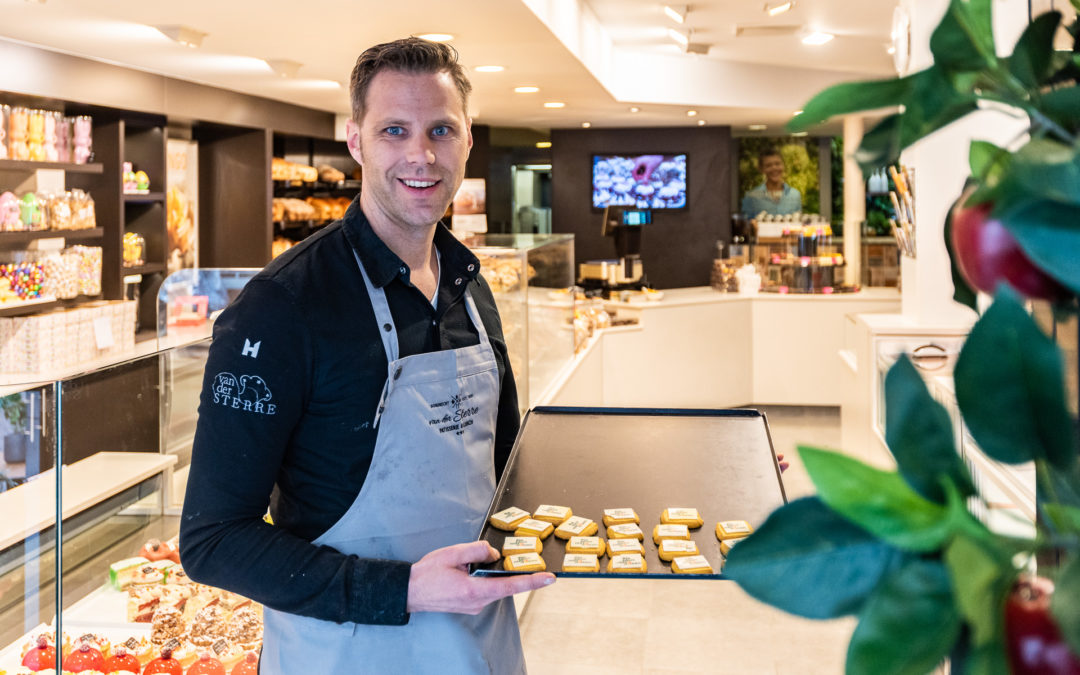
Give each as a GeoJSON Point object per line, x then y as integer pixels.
{"type": "Point", "coordinates": [625, 60]}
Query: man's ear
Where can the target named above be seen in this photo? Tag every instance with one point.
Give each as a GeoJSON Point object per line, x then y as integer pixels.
{"type": "Point", "coordinates": [352, 140]}
{"type": "Point", "coordinates": [468, 131]}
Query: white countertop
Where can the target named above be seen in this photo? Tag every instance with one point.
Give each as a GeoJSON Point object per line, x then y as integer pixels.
{"type": "Point", "coordinates": [680, 297]}
{"type": "Point", "coordinates": [31, 507]}
{"type": "Point", "coordinates": [901, 323]}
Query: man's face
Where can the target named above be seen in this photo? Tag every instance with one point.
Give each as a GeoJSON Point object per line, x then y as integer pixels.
{"type": "Point", "coordinates": [412, 144]}
{"type": "Point", "coordinates": [773, 168]}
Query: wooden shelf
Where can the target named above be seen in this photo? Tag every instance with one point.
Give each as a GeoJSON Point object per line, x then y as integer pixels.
{"type": "Point", "coordinates": [70, 167]}
{"type": "Point", "coordinates": [148, 198]}
{"type": "Point", "coordinates": [28, 306]}
{"type": "Point", "coordinates": [9, 239]}
{"type": "Point", "coordinates": [149, 268]}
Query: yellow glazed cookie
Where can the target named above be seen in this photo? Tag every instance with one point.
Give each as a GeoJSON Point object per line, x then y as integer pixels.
{"type": "Point", "coordinates": [662, 532]}
{"type": "Point", "coordinates": [625, 563]}
{"type": "Point", "coordinates": [730, 529]}
{"type": "Point", "coordinates": [625, 531]}
{"type": "Point", "coordinates": [728, 544]}
{"type": "Point", "coordinates": [531, 527]}
{"type": "Point", "coordinates": [594, 545]}
{"type": "Point", "coordinates": [617, 546]}
{"type": "Point", "coordinates": [681, 516]}
{"type": "Point", "coordinates": [552, 514]}
{"type": "Point", "coordinates": [580, 562]}
{"type": "Point", "coordinates": [508, 519]}
{"type": "Point", "coordinates": [677, 548]}
{"type": "Point", "coordinates": [524, 562]}
{"type": "Point", "coordinates": [514, 545]}
{"type": "Point", "coordinates": [576, 527]}
{"type": "Point", "coordinates": [694, 564]}
{"type": "Point", "coordinates": [620, 517]}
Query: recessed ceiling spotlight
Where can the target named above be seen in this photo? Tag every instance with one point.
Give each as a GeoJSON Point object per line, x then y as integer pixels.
{"type": "Point", "coordinates": [891, 50]}
{"type": "Point", "coordinates": [817, 38]}
{"type": "Point", "coordinates": [635, 109]}
{"type": "Point", "coordinates": [526, 90]}
{"type": "Point", "coordinates": [676, 13]}
{"type": "Point", "coordinates": [691, 113]}
{"type": "Point", "coordinates": [776, 10]}
{"type": "Point", "coordinates": [682, 38]}
{"type": "Point", "coordinates": [586, 125]}
{"type": "Point", "coordinates": [796, 113]}
{"type": "Point", "coordinates": [284, 67]}
{"type": "Point", "coordinates": [554, 104]}
{"type": "Point", "coordinates": [758, 127]}
{"type": "Point", "coordinates": [544, 144]}
{"type": "Point", "coordinates": [436, 37]}
{"type": "Point", "coordinates": [185, 35]}
{"type": "Point", "coordinates": [701, 123]}
{"type": "Point", "coordinates": [489, 69]}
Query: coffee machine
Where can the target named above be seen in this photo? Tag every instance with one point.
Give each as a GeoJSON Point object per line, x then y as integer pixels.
{"type": "Point", "coordinates": [626, 271]}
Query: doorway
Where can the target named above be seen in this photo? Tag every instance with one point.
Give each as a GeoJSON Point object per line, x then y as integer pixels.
{"type": "Point", "coordinates": [531, 198]}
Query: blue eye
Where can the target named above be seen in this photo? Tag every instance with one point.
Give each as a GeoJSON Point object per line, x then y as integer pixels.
{"type": "Point", "coordinates": [440, 131]}
{"type": "Point", "coordinates": [395, 131]}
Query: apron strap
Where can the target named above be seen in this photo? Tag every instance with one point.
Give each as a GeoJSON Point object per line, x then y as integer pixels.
{"type": "Point", "coordinates": [387, 330]}
{"type": "Point", "coordinates": [474, 314]}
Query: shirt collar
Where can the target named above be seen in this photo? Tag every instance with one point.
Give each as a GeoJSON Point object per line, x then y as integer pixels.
{"type": "Point", "coordinates": [382, 264]}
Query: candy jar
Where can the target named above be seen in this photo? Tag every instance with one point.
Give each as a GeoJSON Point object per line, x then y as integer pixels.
{"type": "Point", "coordinates": [10, 213]}
{"type": "Point", "coordinates": [83, 143]}
{"type": "Point", "coordinates": [52, 122]}
{"type": "Point", "coordinates": [35, 137]}
{"type": "Point", "coordinates": [128, 179]}
{"type": "Point", "coordinates": [18, 128]}
{"type": "Point", "coordinates": [64, 137]}
{"type": "Point", "coordinates": [30, 212]}
{"type": "Point", "coordinates": [5, 113]}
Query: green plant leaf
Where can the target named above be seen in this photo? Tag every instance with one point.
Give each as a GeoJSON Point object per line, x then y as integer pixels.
{"type": "Point", "coordinates": [878, 501]}
{"type": "Point", "coordinates": [981, 578]}
{"type": "Point", "coordinates": [1064, 517]}
{"type": "Point", "coordinates": [880, 146]}
{"type": "Point", "coordinates": [908, 625]}
{"type": "Point", "coordinates": [849, 97]}
{"type": "Point", "coordinates": [1011, 389]}
{"type": "Point", "coordinates": [920, 435]}
{"type": "Point", "coordinates": [1033, 55]}
{"type": "Point", "coordinates": [964, 40]}
{"type": "Point", "coordinates": [990, 659]}
{"type": "Point", "coordinates": [833, 564]}
{"type": "Point", "coordinates": [983, 157]}
{"type": "Point", "coordinates": [1062, 106]}
{"type": "Point", "coordinates": [1048, 169]}
{"type": "Point", "coordinates": [1065, 605]}
{"type": "Point", "coordinates": [1048, 234]}
{"type": "Point", "coordinates": [962, 292]}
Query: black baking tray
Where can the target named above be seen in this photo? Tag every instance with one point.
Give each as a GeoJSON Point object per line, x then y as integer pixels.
{"type": "Point", "coordinates": [720, 462]}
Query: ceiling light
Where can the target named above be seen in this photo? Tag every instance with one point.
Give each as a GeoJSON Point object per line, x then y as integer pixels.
{"type": "Point", "coordinates": [586, 125]}
{"type": "Point", "coordinates": [635, 109]}
{"type": "Point", "coordinates": [544, 144]}
{"type": "Point", "coordinates": [489, 69]}
{"type": "Point", "coordinates": [800, 133]}
{"type": "Point", "coordinates": [758, 127]}
{"type": "Point", "coordinates": [817, 38]}
{"type": "Point", "coordinates": [284, 67]}
{"type": "Point", "coordinates": [691, 113]}
{"type": "Point", "coordinates": [185, 35]}
{"type": "Point", "coordinates": [776, 10]}
{"type": "Point", "coordinates": [701, 123]}
{"type": "Point", "coordinates": [682, 38]}
{"type": "Point", "coordinates": [554, 104]}
{"type": "Point", "coordinates": [526, 90]}
{"type": "Point", "coordinates": [436, 37]}
{"type": "Point", "coordinates": [676, 13]}
{"type": "Point", "coordinates": [890, 50]}
{"type": "Point", "coordinates": [796, 113]}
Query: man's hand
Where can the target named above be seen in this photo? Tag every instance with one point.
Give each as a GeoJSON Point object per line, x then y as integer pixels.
{"type": "Point", "coordinates": [440, 581]}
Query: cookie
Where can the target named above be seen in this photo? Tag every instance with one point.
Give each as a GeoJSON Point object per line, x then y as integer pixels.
{"type": "Point", "coordinates": [692, 564]}
{"type": "Point", "coordinates": [580, 562]}
{"type": "Point", "coordinates": [627, 563]}
{"type": "Point", "coordinates": [552, 514]}
{"type": "Point", "coordinates": [530, 527]}
{"type": "Point", "coordinates": [662, 532]}
{"type": "Point", "coordinates": [524, 562]}
{"type": "Point", "coordinates": [508, 519]}
{"type": "Point", "coordinates": [594, 545]}
{"type": "Point", "coordinates": [625, 531]}
{"type": "Point", "coordinates": [731, 529]}
{"type": "Point", "coordinates": [514, 545]}
{"type": "Point", "coordinates": [682, 516]}
{"type": "Point", "coordinates": [676, 548]}
{"type": "Point", "coordinates": [576, 527]}
{"type": "Point", "coordinates": [620, 517]}
{"type": "Point", "coordinates": [728, 544]}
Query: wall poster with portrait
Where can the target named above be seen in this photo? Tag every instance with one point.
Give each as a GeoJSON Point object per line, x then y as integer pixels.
{"type": "Point", "coordinates": [779, 175]}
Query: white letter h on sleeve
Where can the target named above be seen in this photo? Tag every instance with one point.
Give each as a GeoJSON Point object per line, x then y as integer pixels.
{"type": "Point", "coordinates": [251, 350]}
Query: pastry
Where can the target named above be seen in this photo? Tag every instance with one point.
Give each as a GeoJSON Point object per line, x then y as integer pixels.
{"type": "Point", "coordinates": [594, 545]}
{"type": "Point", "coordinates": [41, 656]}
{"type": "Point", "coordinates": [155, 550]}
{"type": "Point", "coordinates": [228, 653]}
{"type": "Point", "coordinates": [208, 626]}
{"type": "Point", "coordinates": [164, 663]}
{"type": "Point", "coordinates": [676, 548]}
{"type": "Point", "coordinates": [731, 529]}
{"type": "Point", "coordinates": [627, 563]}
{"type": "Point", "coordinates": [728, 544]}
{"type": "Point", "coordinates": [625, 531]}
{"type": "Point", "coordinates": [525, 562]}
{"type": "Point", "coordinates": [120, 573]}
{"type": "Point", "coordinates": [619, 546]}
{"type": "Point", "coordinates": [580, 562]}
{"type": "Point", "coordinates": [661, 532]}
{"type": "Point", "coordinates": [620, 517]}
{"type": "Point", "coordinates": [692, 564]}
{"type": "Point", "coordinates": [84, 657]}
{"type": "Point", "coordinates": [167, 624]}
{"type": "Point", "coordinates": [245, 628]}
{"type": "Point", "coordinates": [576, 527]}
{"type": "Point", "coordinates": [206, 665]}
{"type": "Point", "coordinates": [249, 666]}
{"type": "Point", "coordinates": [121, 659]}
{"type": "Point", "coordinates": [682, 516]}
{"type": "Point", "coordinates": [531, 527]}
{"type": "Point", "coordinates": [512, 545]}
{"type": "Point", "coordinates": [508, 519]}
{"type": "Point", "coordinates": [552, 514]}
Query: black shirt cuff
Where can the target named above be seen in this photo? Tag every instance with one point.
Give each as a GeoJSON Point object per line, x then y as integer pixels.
{"type": "Point", "coordinates": [380, 592]}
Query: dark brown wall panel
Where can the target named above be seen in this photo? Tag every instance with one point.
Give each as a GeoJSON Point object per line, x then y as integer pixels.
{"type": "Point", "coordinates": [234, 202]}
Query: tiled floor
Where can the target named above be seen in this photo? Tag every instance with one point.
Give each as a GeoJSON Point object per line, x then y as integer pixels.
{"type": "Point", "coordinates": [632, 626]}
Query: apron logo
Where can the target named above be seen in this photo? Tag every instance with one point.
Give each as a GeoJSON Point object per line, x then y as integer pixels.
{"type": "Point", "coordinates": [457, 419]}
{"type": "Point", "coordinates": [248, 393]}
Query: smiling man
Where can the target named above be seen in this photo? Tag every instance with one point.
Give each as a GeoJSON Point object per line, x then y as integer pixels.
{"type": "Point", "coordinates": [363, 337]}
{"type": "Point", "coordinates": [774, 196]}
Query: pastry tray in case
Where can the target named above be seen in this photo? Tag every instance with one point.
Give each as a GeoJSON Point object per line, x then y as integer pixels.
{"type": "Point", "coordinates": [720, 462]}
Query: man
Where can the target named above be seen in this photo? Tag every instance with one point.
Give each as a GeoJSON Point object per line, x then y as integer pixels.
{"type": "Point", "coordinates": [320, 387]}
{"type": "Point", "coordinates": [774, 196]}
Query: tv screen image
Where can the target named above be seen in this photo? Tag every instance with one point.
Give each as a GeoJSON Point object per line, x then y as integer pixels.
{"type": "Point", "coordinates": [639, 181]}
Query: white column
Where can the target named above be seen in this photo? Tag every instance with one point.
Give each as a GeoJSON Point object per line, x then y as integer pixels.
{"type": "Point", "coordinates": [854, 200]}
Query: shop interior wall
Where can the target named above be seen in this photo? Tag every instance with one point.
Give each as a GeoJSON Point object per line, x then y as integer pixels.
{"type": "Point", "coordinates": [679, 246]}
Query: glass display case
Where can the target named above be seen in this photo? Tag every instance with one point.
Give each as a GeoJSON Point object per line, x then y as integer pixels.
{"type": "Point", "coordinates": [531, 277]}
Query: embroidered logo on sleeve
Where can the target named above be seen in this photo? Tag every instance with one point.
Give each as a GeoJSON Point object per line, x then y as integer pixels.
{"type": "Point", "coordinates": [247, 392]}
{"type": "Point", "coordinates": [251, 350]}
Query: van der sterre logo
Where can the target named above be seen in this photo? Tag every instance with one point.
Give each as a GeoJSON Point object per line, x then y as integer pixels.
{"type": "Point", "coordinates": [457, 418]}
{"type": "Point", "coordinates": [247, 392]}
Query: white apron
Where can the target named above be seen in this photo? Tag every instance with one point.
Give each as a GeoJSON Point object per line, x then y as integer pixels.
{"type": "Point", "coordinates": [430, 483]}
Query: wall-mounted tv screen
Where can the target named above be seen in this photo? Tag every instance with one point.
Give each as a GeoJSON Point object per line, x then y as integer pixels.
{"type": "Point", "coordinates": [639, 181]}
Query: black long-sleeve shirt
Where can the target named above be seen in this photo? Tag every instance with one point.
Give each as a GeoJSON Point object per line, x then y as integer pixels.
{"type": "Point", "coordinates": [286, 415]}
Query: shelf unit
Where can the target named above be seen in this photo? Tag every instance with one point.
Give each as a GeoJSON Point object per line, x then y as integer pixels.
{"type": "Point", "coordinates": [68, 167]}
{"type": "Point", "coordinates": [313, 152]}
